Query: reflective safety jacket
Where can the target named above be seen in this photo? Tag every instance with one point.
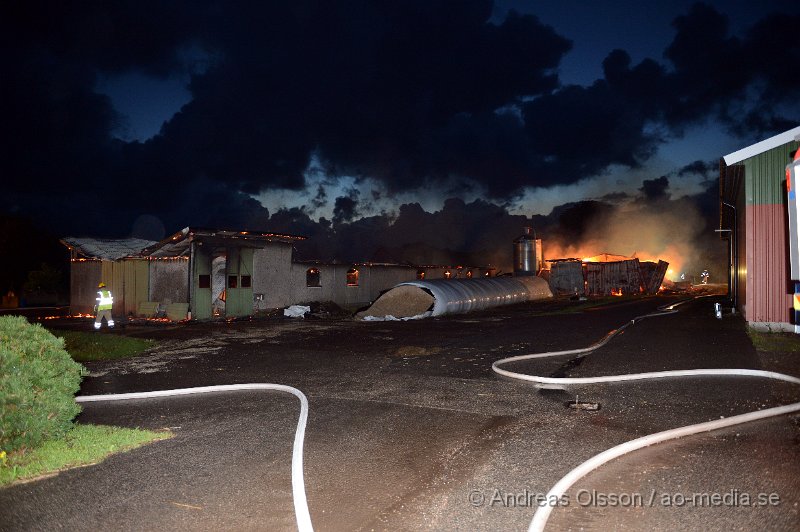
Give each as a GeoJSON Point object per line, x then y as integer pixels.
{"type": "Point", "coordinates": [104, 300]}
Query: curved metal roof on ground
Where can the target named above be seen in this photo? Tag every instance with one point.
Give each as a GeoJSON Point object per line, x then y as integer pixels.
{"type": "Point", "coordinates": [453, 296]}
{"type": "Point", "coordinates": [106, 248]}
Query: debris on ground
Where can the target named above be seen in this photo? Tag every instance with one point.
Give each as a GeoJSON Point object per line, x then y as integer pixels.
{"type": "Point", "coordinates": [323, 310]}
{"type": "Point", "coordinates": [416, 351]}
{"type": "Point", "coordinates": [296, 311]}
{"type": "Point", "coordinates": [583, 405]}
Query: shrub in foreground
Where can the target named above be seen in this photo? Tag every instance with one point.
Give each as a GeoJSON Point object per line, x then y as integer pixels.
{"type": "Point", "coordinates": [38, 381]}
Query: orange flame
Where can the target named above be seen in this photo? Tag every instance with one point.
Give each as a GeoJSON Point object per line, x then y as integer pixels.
{"type": "Point", "coordinates": [67, 316]}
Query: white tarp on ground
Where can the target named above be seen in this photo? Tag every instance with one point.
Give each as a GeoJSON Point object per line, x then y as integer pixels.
{"type": "Point", "coordinates": [453, 296]}
{"type": "Point", "coordinates": [296, 311]}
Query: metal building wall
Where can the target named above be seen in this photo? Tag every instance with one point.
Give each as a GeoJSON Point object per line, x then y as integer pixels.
{"type": "Point", "coordinates": [169, 280]}
{"type": "Point", "coordinates": [767, 296]}
{"type": "Point", "coordinates": [740, 254]}
{"type": "Point", "coordinates": [653, 275]}
{"type": "Point", "coordinates": [567, 278]}
{"type": "Point", "coordinates": [605, 278]}
{"type": "Point", "coordinates": [127, 279]}
{"type": "Point", "coordinates": [239, 299]}
{"type": "Point", "coordinates": [84, 276]}
{"type": "Point", "coordinates": [135, 284]}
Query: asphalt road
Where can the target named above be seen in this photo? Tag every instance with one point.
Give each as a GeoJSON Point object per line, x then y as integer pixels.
{"type": "Point", "coordinates": [409, 429]}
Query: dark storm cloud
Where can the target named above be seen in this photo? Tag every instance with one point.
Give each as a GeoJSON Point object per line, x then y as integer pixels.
{"type": "Point", "coordinates": [481, 233]}
{"type": "Point", "coordinates": [700, 168]}
{"type": "Point", "coordinates": [742, 82]}
{"type": "Point", "coordinates": [655, 189]}
{"type": "Point", "coordinates": [475, 233]}
{"type": "Point", "coordinates": [345, 209]}
{"type": "Point", "coordinates": [320, 199]}
{"type": "Point", "coordinates": [714, 71]}
{"type": "Point", "coordinates": [376, 89]}
{"type": "Point", "coordinates": [407, 93]}
{"type": "Point", "coordinates": [614, 197]}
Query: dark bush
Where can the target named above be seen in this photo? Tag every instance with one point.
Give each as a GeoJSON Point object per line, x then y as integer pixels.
{"type": "Point", "coordinates": [38, 381]}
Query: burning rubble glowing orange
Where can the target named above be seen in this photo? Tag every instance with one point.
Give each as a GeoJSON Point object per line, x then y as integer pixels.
{"type": "Point", "coordinates": [606, 274]}
{"type": "Point", "coordinates": [69, 316]}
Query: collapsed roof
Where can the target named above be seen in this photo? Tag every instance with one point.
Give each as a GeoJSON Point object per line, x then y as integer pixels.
{"type": "Point", "coordinates": [175, 245]}
{"type": "Point", "coordinates": [106, 249]}
{"type": "Point", "coordinates": [607, 257]}
{"type": "Point", "coordinates": [178, 244]}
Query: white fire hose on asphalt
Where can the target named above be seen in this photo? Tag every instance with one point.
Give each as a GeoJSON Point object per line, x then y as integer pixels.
{"type": "Point", "coordinates": [560, 488]}
{"type": "Point", "coordinates": [298, 484]}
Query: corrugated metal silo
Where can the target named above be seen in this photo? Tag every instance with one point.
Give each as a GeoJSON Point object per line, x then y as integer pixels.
{"type": "Point", "coordinates": [525, 259]}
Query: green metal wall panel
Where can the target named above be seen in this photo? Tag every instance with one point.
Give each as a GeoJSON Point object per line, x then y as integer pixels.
{"type": "Point", "coordinates": [766, 295]}
{"type": "Point", "coordinates": [239, 300]}
{"type": "Point", "coordinates": [246, 269]}
{"type": "Point", "coordinates": [201, 297]}
{"type": "Point", "coordinates": [765, 174]}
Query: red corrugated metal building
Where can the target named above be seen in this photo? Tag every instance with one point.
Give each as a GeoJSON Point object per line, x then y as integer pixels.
{"type": "Point", "coordinates": [753, 217]}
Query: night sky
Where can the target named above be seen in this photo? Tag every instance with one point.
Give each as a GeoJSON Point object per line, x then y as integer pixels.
{"type": "Point", "coordinates": [423, 131]}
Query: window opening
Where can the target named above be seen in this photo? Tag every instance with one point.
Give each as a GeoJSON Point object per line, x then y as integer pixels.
{"type": "Point", "coordinates": [352, 277]}
{"type": "Point", "coordinates": [312, 277]}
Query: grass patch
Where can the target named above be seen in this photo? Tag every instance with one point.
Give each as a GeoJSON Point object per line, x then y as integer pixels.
{"type": "Point", "coordinates": [85, 347]}
{"type": "Point", "coordinates": [83, 445]}
{"type": "Point", "coordinates": [774, 342]}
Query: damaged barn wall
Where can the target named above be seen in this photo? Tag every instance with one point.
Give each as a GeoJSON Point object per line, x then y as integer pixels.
{"type": "Point", "coordinates": [372, 280]}
{"type": "Point", "coordinates": [169, 281]}
{"type": "Point", "coordinates": [566, 277]}
{"type": "Point", "coordinates": [282, 282]}
{"type": "Point", "coordinates": [84, 276]}
{"type": "Point", "coordinates": [136, 285]}
{"type": "Point", "coordinates": [127, 279]}
{"type": "Point", "coordinates": [276, 280]}
{"type": "Point", "coordinates": [272, 276]}
{"type": "Point", "coordinates": [653, 275]}
{"type": "Point", "coordinates": [622, 277]}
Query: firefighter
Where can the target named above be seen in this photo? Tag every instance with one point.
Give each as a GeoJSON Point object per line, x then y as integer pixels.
{"type": "Point", "coordinates": [103, 308]}
{"type": "Point", "coordinates": [704, 276]}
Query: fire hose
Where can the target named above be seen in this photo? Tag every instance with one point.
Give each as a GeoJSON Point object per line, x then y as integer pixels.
{"type": "Point", "coordinates": [560, 488]}
{"type": "Point", "coordinates": [298, 484]}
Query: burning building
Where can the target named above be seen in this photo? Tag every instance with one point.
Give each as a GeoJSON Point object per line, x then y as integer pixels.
{"type": "Point", "coordinates": [206, 273]}
{"type": "Point", "coordinates": [605, 275]}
